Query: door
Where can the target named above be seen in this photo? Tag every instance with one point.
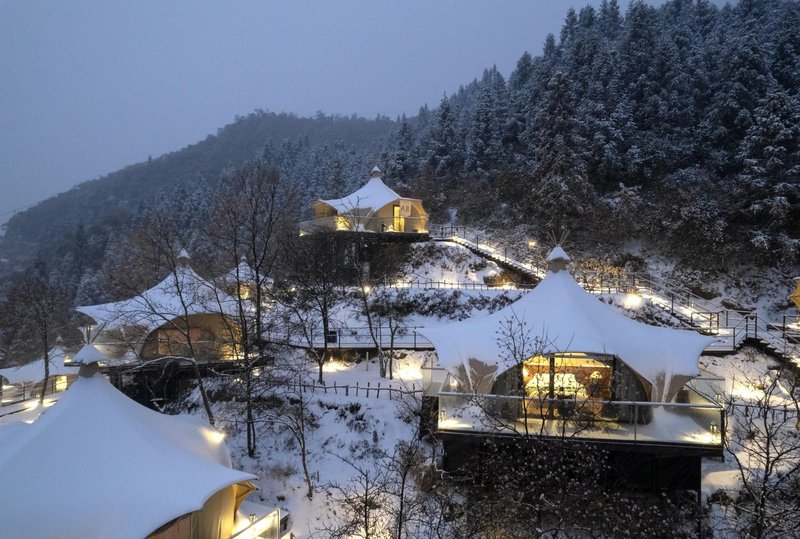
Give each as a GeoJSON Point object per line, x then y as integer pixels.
{"type": "Point", "coordinates": [399, 223]}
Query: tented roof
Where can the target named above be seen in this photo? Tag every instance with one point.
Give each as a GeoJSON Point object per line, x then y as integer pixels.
{"type": "Point", "coordinates": [368, 199]}
{"type": "Point", "coordinates": [242, 273]}
{"type": "Point", "coordinates": [89, 354]}
{"type": "Point", "coordinates": [566, 318]}
{"type": "Point", "coordinates": [98, 465]}
{"type": "Point", "coordinates": [164, 302]}
{"type": "Point", "coordinates": [34, 371]}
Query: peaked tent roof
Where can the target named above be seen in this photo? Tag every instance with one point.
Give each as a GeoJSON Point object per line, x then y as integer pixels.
{"type": "Point", "coordinates": [372, 196]}
{"type": "Point", "coordinates": [164, 302]}
{"type": "Point", "coordinates": [97, 464]}
{"type": "Point", "coordinates": [568, 319]}
{"type": "Point", "coordinates": [34, 371]}
{"type": "Point", "coordinates": [89, 354]}
{"type": "Point", "coordinates": [242, 273]}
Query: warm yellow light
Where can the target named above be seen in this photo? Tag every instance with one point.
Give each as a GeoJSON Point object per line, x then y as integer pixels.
{"type": "Point", "coordinates": [409, 372]}
{"type": "Point", "coordinates": [632, 300]}
{"type": "Point", "coordinates": [367, 289]}
{"type": "Point", "coordinates": [342, 223]}
{"type": "Point", "coordinates": [214, 436]}
{"type": "Point", "coordinates": [333, 366]}
{"type": "Point", "coordinates": [531, 243]}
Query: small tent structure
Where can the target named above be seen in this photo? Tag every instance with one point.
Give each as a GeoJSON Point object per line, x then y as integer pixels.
{"type": "Point", "coordinates": [159, 321]}
{"type": "Point", "coordinates": [566, 321]}
{"type": "Point", "coordinates": [372, 208]}
{"type": "Point", "coordinates": [97, 464]}
{"type": "Point", "coordinates": [33, 372]}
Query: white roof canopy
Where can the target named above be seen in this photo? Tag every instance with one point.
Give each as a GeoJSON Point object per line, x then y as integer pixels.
{"type": "Point", "coordinates": [98, 465]}
{"type": "Point", "coordinates": [180, 293]}
{"type": "Point", "coordinates": [566, 318]}
{"type": "Point", "coordinates": [368, 199]}
{"type": "Point", "coordinates": [34, 371]}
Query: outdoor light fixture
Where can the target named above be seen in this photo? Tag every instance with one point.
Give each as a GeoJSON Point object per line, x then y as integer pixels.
{"type": "Point", "coordinates": [632, 300]}
{"type": "Point", "coordinates": [714, 428]}
{"type": "Point", "coordinates": [252, 517]}
{"type": "Point", "coordinates": [531, 243]}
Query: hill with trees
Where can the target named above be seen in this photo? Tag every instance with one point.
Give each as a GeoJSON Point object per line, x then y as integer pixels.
{"type": "Point", "coordinates": [674, 127]}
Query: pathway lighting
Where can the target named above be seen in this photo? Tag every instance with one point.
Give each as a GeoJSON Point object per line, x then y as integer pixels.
{"type": "Point", "coordinates": [632, 300]}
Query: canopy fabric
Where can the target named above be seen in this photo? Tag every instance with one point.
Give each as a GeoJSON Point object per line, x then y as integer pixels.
{"type": "Point", "coordinates": [97, 465]}
{"type": "Point", "coordinates": [89, 354]}
{"type": "Point", "coordinates": [566, 318]}
{"type": "Point", "coordinates": [369, 199]}
{"type": "Point", "coordinates": [182, 292]}
{"type": "Point", "coordinates": [34, 371]}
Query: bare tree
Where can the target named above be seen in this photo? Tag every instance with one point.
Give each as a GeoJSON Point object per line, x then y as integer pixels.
{"type": "Point", "coordinates": [391, 308]}
{"type": "Point", "coordinates": [763, 442]}
{"type": "Point", "coordinates": [249, 217]}
{"type": "Point", "coordinates": [153, 251]}
{"type": "Point", "coordinates": [34, 313]}
{"type": "Point", "coordinates": [313, 272]}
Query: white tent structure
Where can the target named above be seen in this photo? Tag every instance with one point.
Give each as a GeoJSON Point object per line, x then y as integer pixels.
{"type": "Point", "coordinates": [563, 318]}
{"type": "Point", "coordinates": [372, 208]}
{"type": "Point", "coordinates": [167, 307]}
{"type": "Point", "coordinates": [33, 372]}
{"type": "Point", "coordinates": [99, 465]}
{"type": "Point", "coordinates": [181, 292]}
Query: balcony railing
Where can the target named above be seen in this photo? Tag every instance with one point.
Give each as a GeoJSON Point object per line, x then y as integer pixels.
{"type": "Point", "coordinates": [605, 421]}
{"type": "Point", "coordinates": [414, 225]}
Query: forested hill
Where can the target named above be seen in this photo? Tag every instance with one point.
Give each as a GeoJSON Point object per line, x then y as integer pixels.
{"type": "Point", "coordinates": [101, 210]}
{"type": "Point", "coordinates": [676, 127]}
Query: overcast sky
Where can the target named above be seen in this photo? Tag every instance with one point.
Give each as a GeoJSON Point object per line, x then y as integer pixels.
{"type": "Point", "coordinates": [88, 86]}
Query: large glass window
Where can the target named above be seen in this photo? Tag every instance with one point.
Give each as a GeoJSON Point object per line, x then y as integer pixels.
{"type": "Point", "coordinates": [560, 385]}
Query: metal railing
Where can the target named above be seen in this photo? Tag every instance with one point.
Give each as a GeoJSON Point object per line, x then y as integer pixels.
{"type": "Point", "coordinates": [701, 424]}
{"type": "Point", "coordinates": [406, 337]}
{"type": "Point", "coordinates": [407, 225]}
{"type": "Point", "coordinates": [452, 285]}
{"type": "Point", "coordinates": [16, 393]}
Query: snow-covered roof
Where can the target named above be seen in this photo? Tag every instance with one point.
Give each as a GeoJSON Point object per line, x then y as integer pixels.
{"type": "Point", "coordinates": [89, 354]}
{"type": "Point", "coordinates": [569, 319]}
{"type": "Point", "coordinates": [164, 302]}
{"type": "Point", "coordinates": [369, 198]}
{"type": "Point", "coordinates": [34, 371]}
{"type": "Point", "coordinates": [97, 465]}
{"type": "Point", "coordinates": [558, 253]}
{"type": "Point", "coordinates": [242, 273]}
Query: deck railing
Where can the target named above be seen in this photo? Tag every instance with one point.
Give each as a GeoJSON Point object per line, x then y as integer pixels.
{"type": "Point", "coordinates": [601, 420]}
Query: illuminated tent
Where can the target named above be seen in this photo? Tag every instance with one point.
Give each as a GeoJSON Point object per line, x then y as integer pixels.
{"type": "Point", "coordinates": [372, 208]}
{"type": "Point", "coordinates": [34, 371]}
{"type": "Point", "coordinates": [567, 319]}
{"type": "Point", "coordinates": [98, 465]}
{"type": "Point", "coordinates": [156, 322]}
{"type": "Point", "coordinates": [183, 291]}
{"type": "Point", "coordinates": [795, 296]}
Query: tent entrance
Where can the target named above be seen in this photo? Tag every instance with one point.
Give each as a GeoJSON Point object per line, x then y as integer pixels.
{"type": "Point", "coordinates": [398, 221]}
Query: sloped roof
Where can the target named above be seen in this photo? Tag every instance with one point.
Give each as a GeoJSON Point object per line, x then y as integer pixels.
{"type": "Point", "coordinates": [372, 197]}
{"type": "Point", "coordinates": [34, 371]}
{"type": "Point", "coordinates": [97, 465]}
{"type": "Point", "coordinates": [242, 273]}
{"type": "Point", "coordinates": [568, 319]}
{"type": "Point", "coordinates": [164, 302]}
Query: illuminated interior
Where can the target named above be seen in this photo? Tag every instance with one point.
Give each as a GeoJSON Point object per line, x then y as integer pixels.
{"type": "Point", "coordinates": [568, 378]}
